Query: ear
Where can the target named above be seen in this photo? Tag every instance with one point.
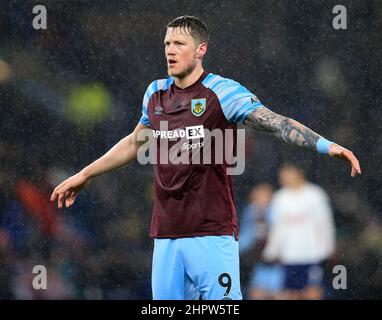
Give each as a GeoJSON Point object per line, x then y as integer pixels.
{"type": "Point", "coordinates": [201, 50]}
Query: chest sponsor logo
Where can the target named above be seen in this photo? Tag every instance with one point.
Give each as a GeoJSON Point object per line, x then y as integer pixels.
{"type": "Point", "coordinates": [198, 106]}
{"type": "Point", "coordinates": [194, 132]}
{"type": "Point", "coordinates": [193, 145]}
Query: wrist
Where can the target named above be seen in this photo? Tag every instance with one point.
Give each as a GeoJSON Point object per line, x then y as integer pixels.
{"type": "Point", "coordinates": [85, 173]}
{"type": "Point", "coordinates": [323, 145]}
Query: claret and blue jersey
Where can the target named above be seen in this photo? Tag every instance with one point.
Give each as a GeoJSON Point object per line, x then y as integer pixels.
{"type": "Point", "coordinates": [194, 199]}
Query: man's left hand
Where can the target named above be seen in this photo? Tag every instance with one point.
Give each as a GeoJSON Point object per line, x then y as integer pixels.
{"type": "Point", "coordinates": [337, 151]}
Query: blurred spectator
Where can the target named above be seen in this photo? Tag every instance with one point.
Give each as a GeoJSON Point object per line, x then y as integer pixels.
{"type": "Point", "coordinates": [266, 279]}
{"type": "Point", "coordinates": [302, 234]}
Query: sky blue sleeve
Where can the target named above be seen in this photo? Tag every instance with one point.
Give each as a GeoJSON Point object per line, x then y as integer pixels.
{"type": "Point", "coordinates": [161, 84]}
{"type": "Point", "coordinates": [145, 115]}
{"type": "Point", "coordinates": [236, 101]}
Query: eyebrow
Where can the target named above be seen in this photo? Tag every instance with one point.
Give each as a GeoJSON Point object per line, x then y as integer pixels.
{"type": "Point", "coordinates": [168, 41]}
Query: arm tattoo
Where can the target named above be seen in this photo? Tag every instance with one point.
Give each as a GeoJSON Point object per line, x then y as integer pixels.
{"type": "Point", "coordinates": [282, 127]}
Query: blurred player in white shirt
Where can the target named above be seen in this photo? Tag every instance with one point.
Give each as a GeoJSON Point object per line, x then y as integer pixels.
{"type": "Point", "coordinates": [302, 234]}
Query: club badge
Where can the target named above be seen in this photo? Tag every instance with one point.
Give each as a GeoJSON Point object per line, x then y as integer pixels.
{"type": "Point", "coordinates": [198, 106]}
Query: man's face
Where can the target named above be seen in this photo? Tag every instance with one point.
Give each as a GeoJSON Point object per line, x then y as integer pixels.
{"type": "Point", "coordinates": [181, 52]}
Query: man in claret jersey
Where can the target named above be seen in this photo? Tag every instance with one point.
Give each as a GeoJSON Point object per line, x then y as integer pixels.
{"type": "Point", "coordinates": [194, 221]}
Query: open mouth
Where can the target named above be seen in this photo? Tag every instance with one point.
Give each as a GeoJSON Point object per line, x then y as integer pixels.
{"type": "Point", "coordinates": [171, 62]}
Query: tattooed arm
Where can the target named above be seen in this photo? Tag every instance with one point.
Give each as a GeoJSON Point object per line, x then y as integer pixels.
{"type": "Point", "coordinates": [293, 132]}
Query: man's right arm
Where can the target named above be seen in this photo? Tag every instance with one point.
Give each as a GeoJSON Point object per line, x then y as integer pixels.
{"type": "Point", "coordinates": [120, 155]}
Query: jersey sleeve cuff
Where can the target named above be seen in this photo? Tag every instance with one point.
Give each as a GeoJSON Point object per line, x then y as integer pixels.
{"type": "Point", "coordinates": [323, 145]}
{"type": "Point", "coordinates": [248, 111]}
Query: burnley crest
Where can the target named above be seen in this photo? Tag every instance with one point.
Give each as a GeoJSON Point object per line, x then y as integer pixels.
{"type": "Point", "coordinates": [198, 106]}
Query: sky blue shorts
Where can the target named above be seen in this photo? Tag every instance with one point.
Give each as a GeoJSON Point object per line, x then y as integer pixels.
{"type": "Point", "coordinates": [187, 268]}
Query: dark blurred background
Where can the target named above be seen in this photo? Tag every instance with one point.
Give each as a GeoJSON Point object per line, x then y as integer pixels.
{"type": "Point", "coordinates": [70, 92]}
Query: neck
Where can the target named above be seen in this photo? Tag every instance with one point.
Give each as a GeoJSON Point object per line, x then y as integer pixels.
{"type": "Point", "coordinates": [189, 79]}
